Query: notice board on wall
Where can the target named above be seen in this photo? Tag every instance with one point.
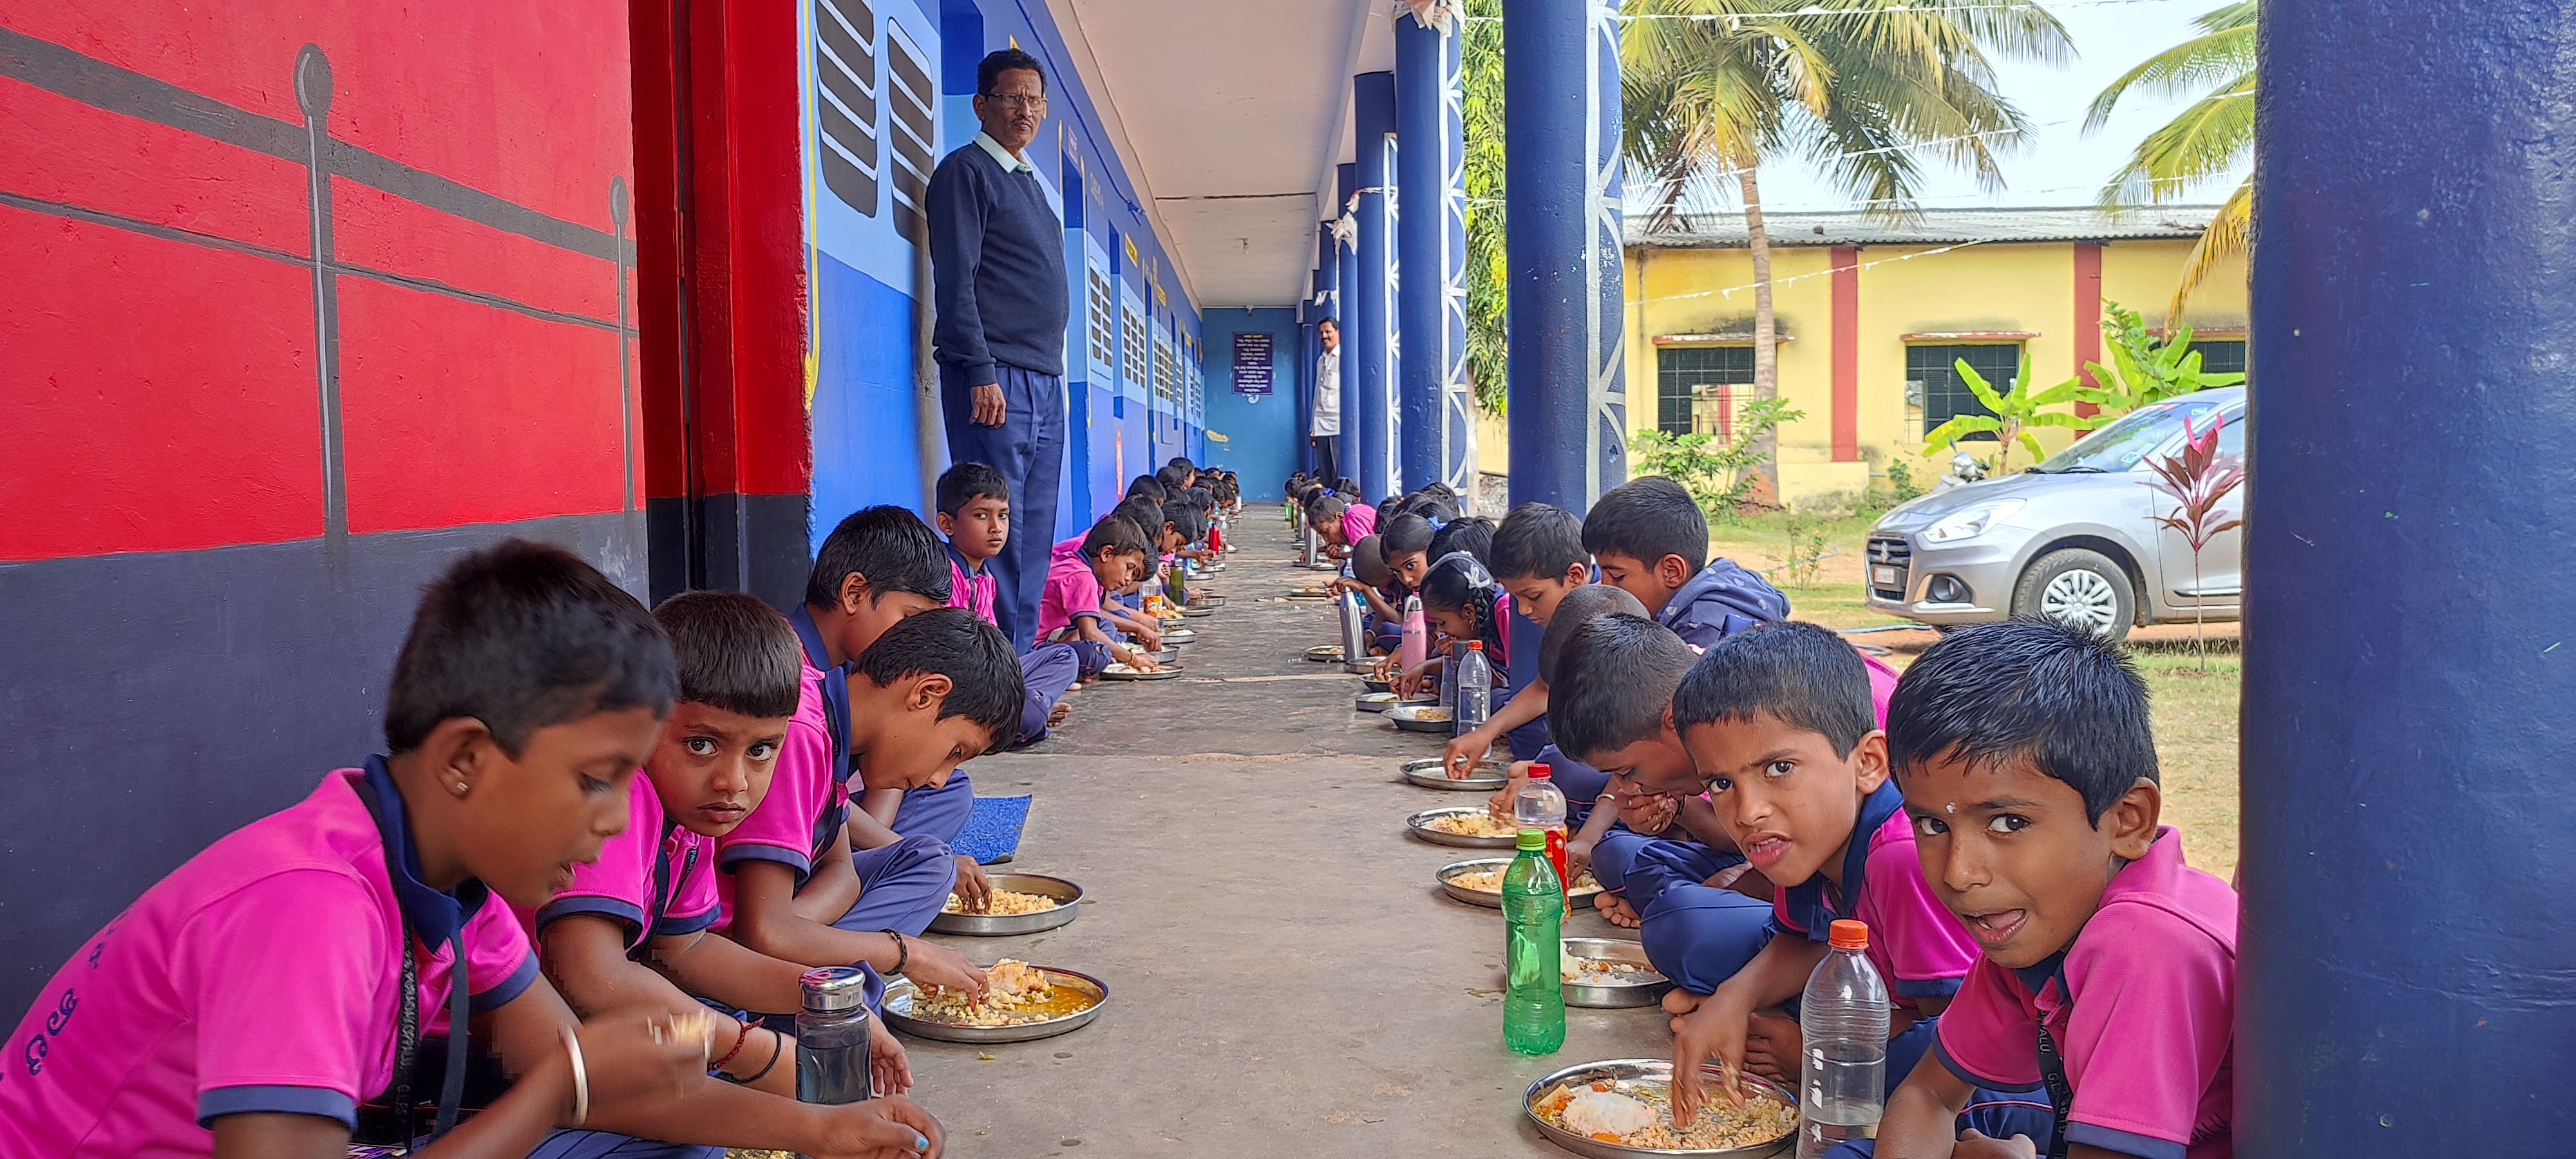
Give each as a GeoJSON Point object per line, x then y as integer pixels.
{"type": "Point", "coordinates": [1252, 363]}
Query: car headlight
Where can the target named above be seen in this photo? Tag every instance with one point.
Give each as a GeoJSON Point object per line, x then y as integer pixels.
{"type": "Point", "coordinates": [1972, 522]}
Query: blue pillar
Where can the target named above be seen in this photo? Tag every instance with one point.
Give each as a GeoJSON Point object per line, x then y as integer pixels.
{"type": "Point", "coordinates": [2404, 981]}
{"type": "Point", "coordinates": [1367, 343]}
{"type": "Point", "coordinates": [1346, 303]}
{"type": "Point", "coordinates": [1569, 410]}
{"type": "Point", "coordinates": [1432, 244]}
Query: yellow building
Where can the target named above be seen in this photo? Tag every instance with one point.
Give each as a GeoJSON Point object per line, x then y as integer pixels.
{"type": "Point", "coordinates": [1875, 315]}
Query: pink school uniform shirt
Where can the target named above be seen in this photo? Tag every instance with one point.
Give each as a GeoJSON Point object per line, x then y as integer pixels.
{"type": "Point", "coordinates": [1918, 945]}
{"type": "Point", "coordinates": [1359, 521]}
{"type": "Point", "coordinates": [619, 886]}
{"type": "Point", "coordinates": [2149, 1038]}
{"type": "Point", "coordinates": [1882, 684]}
{"type": "Point", "coordinates": [1072, 591]}
{"type": "Point", "coordinates": [804, 792]}
{"type": "Point", "coordinates": [973, 590]}
{"type": "Point", "coordinates": [262, 976]}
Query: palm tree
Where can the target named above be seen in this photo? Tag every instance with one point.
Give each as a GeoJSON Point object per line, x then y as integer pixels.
{"type": "Point", "coordinates": [1714, 88]}
{"type": "Point", "coordinates": [2210, 139]}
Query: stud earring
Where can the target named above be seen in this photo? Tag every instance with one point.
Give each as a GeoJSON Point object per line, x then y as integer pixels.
{"type": "Point", "coordinates": [460, 788]}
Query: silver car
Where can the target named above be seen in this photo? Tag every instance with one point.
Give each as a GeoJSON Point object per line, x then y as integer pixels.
{"type": "Point", "coordinates": [2072, 539]}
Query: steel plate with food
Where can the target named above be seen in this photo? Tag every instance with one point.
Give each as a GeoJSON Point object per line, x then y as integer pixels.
{"type": "Point", "coordinates": [1485, 777]}
{"type": "Point", "coordinates": [1461, 825]}
{"type": "Point", "coordinates": [1179, 636]}
{"type": "Point", "coordinates": [1480, 882]}
{"type": "Point", "coordinates": [1022, 903]}
{"type": "Point", "coordinates": [1623, 1107]}
{"type": "Point", "coordinates": [1374, 701]}
{"type": "Point", "coordinates": [1123, 672]}
{"type": "Point", "coordinates": [1610, 973]}
{"type": "Point", "coordinates": [1309, 593]}
{"type": "Point", "coordinates": [1022, 1002]}
{"type": "Point", "coordinates": [1198, 613]}
{"type": "Point", "coordinates": [1325, 653]}
{"type": "Point", "coordinates": [1420, 718]}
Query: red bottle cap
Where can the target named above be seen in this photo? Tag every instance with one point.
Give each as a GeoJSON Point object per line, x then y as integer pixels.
{"type": "Point", "coordinates": [1850, 935]}
{"type": "Point", "coordinates": [1538, 772]}
{"type": "Point", "coordinates": [1475, 645]}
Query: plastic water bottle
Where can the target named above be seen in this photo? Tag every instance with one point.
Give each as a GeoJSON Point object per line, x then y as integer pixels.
{"type": "Point", "coordinates": [1843, 1016]}
{"type": "Point", "coordinates": [1409, 655]}
{"type": "Point", "coordinates": [1449, 681]}
{"type": "Point", "coordinates": [832, 1047]}
{"type": "Point", "coordinates": [1541, 806]}
{"type": "Point", "coordinates": [1534, 950]}
{"type": "Point", "coordinates": [1475, 681]}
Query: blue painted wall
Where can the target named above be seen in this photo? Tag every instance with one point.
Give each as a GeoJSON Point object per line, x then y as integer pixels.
{"type": "Point", "coordinates": [872, 133]}
{"type": "Point", "coordinates": [1262, 434]}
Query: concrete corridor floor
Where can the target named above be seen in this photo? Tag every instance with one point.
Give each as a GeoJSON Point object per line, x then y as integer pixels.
{"type": "Point", "coordinates": [1285, 978]}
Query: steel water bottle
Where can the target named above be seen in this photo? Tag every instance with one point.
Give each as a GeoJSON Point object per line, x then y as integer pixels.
{"type": "Point", "coordinates": [833, 1056]}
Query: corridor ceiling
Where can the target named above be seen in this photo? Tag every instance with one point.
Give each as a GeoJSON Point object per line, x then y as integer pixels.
{"type": "Point", "coordinates": [1235, 113]}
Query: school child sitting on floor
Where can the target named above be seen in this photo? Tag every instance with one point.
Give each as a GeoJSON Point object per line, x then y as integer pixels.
{"type": "Point", "coordinates": [975, 517]}
{"type": "Point", "coordinates": [1649, 538]}
{"type": "Point", "coordinates": [1113, 554]}
{"type": "Point", "coordinates": [1687, 888]}
{"type": "Point", "coordinates": [1339, 519]}
{"type": "Point", "coordinates": [1779, 724]}
{"type": "Point", "coordinates": [1609, 827]}
{"type": "Point", "coordinates": [1473, 535]}
{"type": "Point", "coordinates": [1462, 604]}
{"type": "Point", "coordinates": [1399, 549]}
{"type": "Point", "coordinates": [2108, 971]}
{"type": "Point", "coordinates": [1538, 557]}
{"type": "Point", "coordinates": [631, 930]}
{"type": "Point", "coordinates": [932, 692]}
{"type": "Point", "coordinates": [248, 1003]}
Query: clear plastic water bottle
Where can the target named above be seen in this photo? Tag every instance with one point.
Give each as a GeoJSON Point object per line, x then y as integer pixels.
{"type": "Point", "coordinates": [833, 1063]}
{"type": "Point", "coordinates": [1533, 950]}
{"type": "Point", "coordinates": [1475, 689]}
{"type": "Point", "coordinates": [1541, 806]}
{"type": "Point", "coordinates": [1449, 680]}
{"type": "Point", "coordinates": [1843, 1017]}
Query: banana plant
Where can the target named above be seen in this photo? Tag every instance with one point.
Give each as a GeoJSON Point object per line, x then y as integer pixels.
{"type": "Point", "coordinates": [2145, 369]}
{"type": "Point", "coordinates": [2015, 415]}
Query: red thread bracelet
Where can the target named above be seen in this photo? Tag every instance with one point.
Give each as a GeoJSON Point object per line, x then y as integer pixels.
{"type": "Point", "coordinates": [741, 1034]}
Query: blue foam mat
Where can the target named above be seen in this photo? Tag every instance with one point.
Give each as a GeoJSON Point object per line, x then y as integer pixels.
{"type": "Point", "coordinates": [992, 832]}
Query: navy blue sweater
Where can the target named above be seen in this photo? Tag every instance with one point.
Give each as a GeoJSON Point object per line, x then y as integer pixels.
{"type": "Point", "coordinates": [997, 252]}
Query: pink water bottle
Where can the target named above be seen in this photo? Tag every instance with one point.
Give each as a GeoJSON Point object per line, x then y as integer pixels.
{"type": "Point", "coordinates": [1416, 641]}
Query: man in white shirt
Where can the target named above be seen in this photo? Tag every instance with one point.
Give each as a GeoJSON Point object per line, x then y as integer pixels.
{"type": "Point", "coordinates": [1326, 430]}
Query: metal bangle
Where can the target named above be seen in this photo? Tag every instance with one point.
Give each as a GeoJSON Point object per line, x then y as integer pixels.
{"type": "Point", "coordinates": [903, 951]}
{"type": "Point", "coordinates": [580, 1077]}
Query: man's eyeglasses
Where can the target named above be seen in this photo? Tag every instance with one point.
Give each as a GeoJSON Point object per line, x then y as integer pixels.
{"type": "Point", "coordinates": [1012, 102]}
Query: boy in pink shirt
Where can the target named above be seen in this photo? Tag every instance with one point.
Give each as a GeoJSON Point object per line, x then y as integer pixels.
{"type": "Point", "coordinates": [1113, 554]}
{"type": "Point", "coordinates": [933, 691]}
{"type": "Point", "coordinates": [248, 1003]}
{"type": "Point", "coordinates": [975, 517]}
{"type": "Point", "coordinates": [2108, 973]}
{"type": "Point", "coordinates": [1340, 522]}
{"type": "Point", "coordinates": [1778, 721]}
{"type": "Point", "coordinates": [633, 929]}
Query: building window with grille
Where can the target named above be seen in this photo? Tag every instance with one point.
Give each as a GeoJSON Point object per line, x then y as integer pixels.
{"type": "Point", "coordinates": [1932, 375]}
{"type": "Point", "coordinates": [2222, 357]}
{"type": "Point", "coordinates": [1697, 388]}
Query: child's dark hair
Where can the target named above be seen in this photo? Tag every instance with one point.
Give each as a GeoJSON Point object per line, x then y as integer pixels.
{"type": "Point", "coordinates": [1579, 607]}
{"type": "Point", "coordinates": [1647, 519]}
{"type": "Point", "coordinates": [2062, 698]}
{"type": "Point", "coordinates": [1457, 583]}
{"type": "Point", "coordinates": [735, 653]}
{"type": "Point", "coordinates": [953, 642]}
{"type": "Point", "coordinates": [1404, 535]}
{"type": "Point", "coordinates": [888, 546]}
{"type": "Point", "coordinates": [1473, 536]}
{"type": "Point", "coordinates": [1347, 487]}
{"type": "Point", "coordinates": [1187, 520]}
{"type": "Point", "coordinates": [1368, 562]}
{"type": "Point", "coordinates": [1146, 514]}
{"type": "Point", "coordinates": [1173, 477]}
{"type": "Point", "coordinates": [524, 636]}
{"type": "Point", "coordinates": [1805, 675]}
{"type": "Point", "coordinates": [1613, 682]}
{"type": "Point", "coordinates": [1116, 535]}
{"type": "Point", "coordinates": [967, 482]}
{"type": "Point", "coordinates": [1326, 507]}
{"type": "Point", "coordinates": [1538, 541]}
{"type": "Point", "coordinates": [1147, 486]}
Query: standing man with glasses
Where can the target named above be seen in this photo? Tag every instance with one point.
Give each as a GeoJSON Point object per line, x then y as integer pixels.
{"type": "Point", "coordinates": [997, 254]}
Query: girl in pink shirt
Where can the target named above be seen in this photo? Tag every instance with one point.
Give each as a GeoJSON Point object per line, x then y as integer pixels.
{"type": "Point", "coordinates": [249, 1002]}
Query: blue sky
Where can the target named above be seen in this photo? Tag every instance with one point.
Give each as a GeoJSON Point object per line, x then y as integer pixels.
{"type": "Point", "coordinates": [2059, 164]}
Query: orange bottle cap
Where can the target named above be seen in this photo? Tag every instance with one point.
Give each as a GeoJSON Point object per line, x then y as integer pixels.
{"type": "Point", "coordinates": [1850, 935]}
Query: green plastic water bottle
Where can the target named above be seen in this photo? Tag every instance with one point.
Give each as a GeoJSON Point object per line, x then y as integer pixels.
{"type": "Point", "coordinates": [1534, 916]}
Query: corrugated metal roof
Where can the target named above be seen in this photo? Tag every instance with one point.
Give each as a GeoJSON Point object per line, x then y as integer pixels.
{"type": "Point", "coordinates": [1929, 227]}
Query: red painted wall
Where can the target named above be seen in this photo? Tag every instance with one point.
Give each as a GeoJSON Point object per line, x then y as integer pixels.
{"type": "Point", "coordinates": [159, 389]}
{"type": "Point", "coordinates": [1846, 353]}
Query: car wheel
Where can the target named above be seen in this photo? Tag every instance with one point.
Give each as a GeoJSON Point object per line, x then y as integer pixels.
{"type": "Point", "coordinates": [2081, 589]}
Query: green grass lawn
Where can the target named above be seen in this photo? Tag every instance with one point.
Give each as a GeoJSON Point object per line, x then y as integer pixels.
{"type": "Point", "coordinates": [2195, 711]}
